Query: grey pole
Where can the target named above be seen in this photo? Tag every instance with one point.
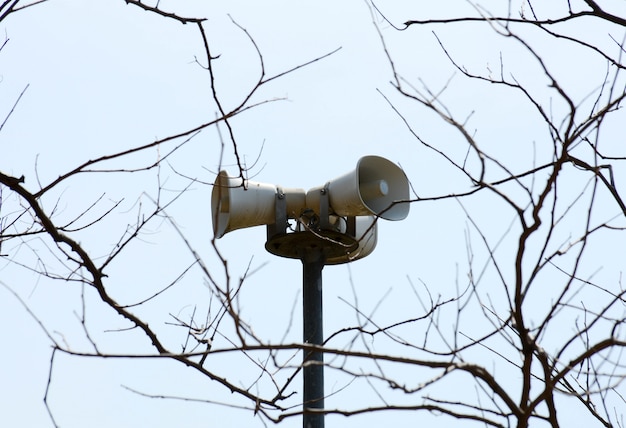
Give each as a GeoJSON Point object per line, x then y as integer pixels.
{"type": "Point", "coordinates": [316, 246]}
{"type": "Point", "coordinates": [313, 361]}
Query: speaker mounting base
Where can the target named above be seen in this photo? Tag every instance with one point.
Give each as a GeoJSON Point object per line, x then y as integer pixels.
{"type": "Point", "coordinates": [296, 245]}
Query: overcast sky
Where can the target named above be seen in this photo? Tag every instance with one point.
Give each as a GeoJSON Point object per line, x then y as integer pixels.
{"type": "Point", "coordinates": [102, 76]}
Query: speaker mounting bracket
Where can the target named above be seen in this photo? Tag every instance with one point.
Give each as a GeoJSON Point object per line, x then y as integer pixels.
{"type": "Point", "coordinates": [280, 222]}
{"type": "Point", "coordinates": [317, 235]}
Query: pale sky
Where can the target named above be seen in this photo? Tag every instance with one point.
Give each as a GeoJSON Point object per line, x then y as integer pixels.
{"type": "Point", "coordinates": [103, 76]}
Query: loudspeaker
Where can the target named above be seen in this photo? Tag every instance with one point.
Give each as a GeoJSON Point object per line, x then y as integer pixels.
{"type": "Point", "coordinates": [366, 234]}
{"type": "Point", "coordinates": [374, 187]}
{"type": "Point", "coordinates": [236, 203]}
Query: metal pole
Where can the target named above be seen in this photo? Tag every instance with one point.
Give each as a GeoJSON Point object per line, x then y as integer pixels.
{"type": "Point", "coordinates": [313, 372]}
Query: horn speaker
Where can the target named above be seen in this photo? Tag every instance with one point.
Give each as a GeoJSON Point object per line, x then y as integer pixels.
{"type": "Point", "coordinates": [238, 203]}
{"type": "Point", "coordinates": [375, 187]}
{"type": "Point", "coordinates": [366, 234]}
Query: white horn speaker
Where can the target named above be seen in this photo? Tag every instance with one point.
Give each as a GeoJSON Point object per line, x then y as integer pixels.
{"type": "Point", "coordinates": [235, 206]}
{"type": "Point", "coordinates": [374, 187]}
{"type": "Point", "coordinates": [366, 234]}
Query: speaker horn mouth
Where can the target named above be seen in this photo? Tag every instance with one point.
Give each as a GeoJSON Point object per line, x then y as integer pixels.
{"type": "Point", "coordinates": [374, 189]}
{"type": "Point", "coordinates": [389, 199]}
